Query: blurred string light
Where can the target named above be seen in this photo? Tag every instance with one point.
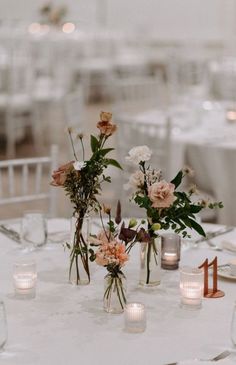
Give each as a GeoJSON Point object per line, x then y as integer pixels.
{"type": "Point", "coordinates": [68, 28]}
{"type": "Point", "coordinates": [34, 28]}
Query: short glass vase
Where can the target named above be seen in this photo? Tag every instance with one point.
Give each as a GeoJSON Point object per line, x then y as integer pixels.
{"type": "Point", "coordinates": [114, 298]}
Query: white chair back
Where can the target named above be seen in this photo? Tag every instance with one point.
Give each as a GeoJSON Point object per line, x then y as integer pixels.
{"type": "Point", "coordinates": [135, 94]}
{"type": "Point", "coordinates": [21, 76]}
{"type": "Point", "coordinates": [74, 108]}
{"type": "Point", "coordinates": [25, 178]}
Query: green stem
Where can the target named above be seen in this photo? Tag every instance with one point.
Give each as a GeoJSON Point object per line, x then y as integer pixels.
{"type": "Point", "coordinates": [82, 144]}
{"type": "Point", "coordinates": [72, 144]}
{"type": "Point", "coordinates": [149, 249]}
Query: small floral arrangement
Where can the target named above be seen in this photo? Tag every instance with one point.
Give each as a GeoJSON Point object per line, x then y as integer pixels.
{"type": "Point", "coordinates": [52, 14]}
{"type": "Point", "coordinates": [166, 207]}
{"type": "Point", "coordinates": [113, 244]}
{"type": "Point", "coordinates": [82, 180]}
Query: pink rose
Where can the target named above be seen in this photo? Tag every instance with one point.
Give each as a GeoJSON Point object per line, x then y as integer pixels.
{"type": "Point", "coordinates": [161, 194]}
{"type": "Point", "coordinates": [59, 176]}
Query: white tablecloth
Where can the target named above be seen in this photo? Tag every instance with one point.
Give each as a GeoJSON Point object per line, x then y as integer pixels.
{"type": "Point", "coordinates": [203, 139]}
{"type": "Point", "coordinates": [67, 325]}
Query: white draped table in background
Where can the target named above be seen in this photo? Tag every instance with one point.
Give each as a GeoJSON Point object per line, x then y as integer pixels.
{"type": "Point", "coordinates": [67, 325]}
{"type": "Point", "coordinates": [203, 139]}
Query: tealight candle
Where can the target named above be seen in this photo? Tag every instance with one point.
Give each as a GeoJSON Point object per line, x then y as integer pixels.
{"type": "Point", "coordinates": [231, 115]}
{"type": "Point", "coordinates": [170, 251]}
{"type": "Point", "coordinates": [24, 278]}
{"type": "Point", "coordinates": [191, 287]}
{"type": "Point", "coordinates": [135, 317]}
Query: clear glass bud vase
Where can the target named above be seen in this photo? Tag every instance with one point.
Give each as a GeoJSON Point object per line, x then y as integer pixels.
{"type": "Point", "coordinates": [79, 272]}
{"type": "Point", "coordinates": [114, 293]}
{"type": "Point", "coordinates": [150, 262]}
{"type": "Point", "coordinates": [233, 326]}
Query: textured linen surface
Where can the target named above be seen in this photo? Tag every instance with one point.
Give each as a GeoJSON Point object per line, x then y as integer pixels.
{"type": "Point", "coordinates": [67, 325]}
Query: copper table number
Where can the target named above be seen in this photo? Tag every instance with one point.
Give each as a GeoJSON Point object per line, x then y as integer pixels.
{"type": "Point", "coordinates": [214, 292]}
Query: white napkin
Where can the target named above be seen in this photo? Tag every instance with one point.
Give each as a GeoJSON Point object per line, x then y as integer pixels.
{"type": "Point", "coordinates": [229, 245]}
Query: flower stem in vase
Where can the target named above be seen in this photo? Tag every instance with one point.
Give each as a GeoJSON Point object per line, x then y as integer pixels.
{"type": "Point", "coordinates": [114, 298]}
{"type": "Point", "coordinates": [79, 272]}
{"type": "Point", "coordinates": [150, 263]}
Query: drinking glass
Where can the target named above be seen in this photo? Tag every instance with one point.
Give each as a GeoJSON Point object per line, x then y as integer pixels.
{"type": "Point", "coordinates": [233, 326]}
{"type": "Point", "coordinates": [33, 230]}
{"type": "Point", "coordinates": [3, 326]}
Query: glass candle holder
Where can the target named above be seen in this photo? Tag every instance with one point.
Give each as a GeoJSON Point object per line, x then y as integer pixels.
{"type": "Point", "coordinates": [191, 287]}
{"type": "Point", "coordinates": [24, 278]}
{"type": "Point", "coordinates": [170, 251]}
{"type": "Point", "coordinates": [135, 317]}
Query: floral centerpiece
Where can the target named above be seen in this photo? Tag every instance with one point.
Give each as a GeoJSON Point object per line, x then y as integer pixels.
{"type": "Point", "coordinates": [53, 14]}
{"type": "Point", "coordinates": [166, 208]}
{"type": "Point", "coordinates": [113, 244]}
{"type": "Point", "coordinates": [81, 180]}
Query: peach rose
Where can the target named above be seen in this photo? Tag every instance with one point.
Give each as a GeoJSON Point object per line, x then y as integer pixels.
{"type": "Point", "coordinates": [105, 126]}
{"type": "Point", "coordinates": [59, 176]}
{"type": "Point", "coordinates": [161, 194]}
{"type": "Point", "coordinates": [105, 116]}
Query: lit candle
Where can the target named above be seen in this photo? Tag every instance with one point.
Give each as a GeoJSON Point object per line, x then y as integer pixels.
{"type": "Point", "coordinates": [170, 251]}
{"type": "Point", "coordinates": [170, 256]}
{"type": "Point", "coordinates": [231, 115]}
{"type": "Point", "coordinates": [68, 28]}
{"type": "Point", "coordinates": [135, 317]}
{"type": "Point", "coordinates": [191, 287]}
{"type": "Point", "coordinates": [24, 277]}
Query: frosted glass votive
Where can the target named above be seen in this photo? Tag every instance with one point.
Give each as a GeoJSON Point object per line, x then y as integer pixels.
{"type": "Point", "coordinates": [170, 251]}
{"type": "Point", "coordinates": [24, 279]}
{"type": "Point", "coordinates": [191, 287]}
{"type": "Point", "coordinates": [135, 317]}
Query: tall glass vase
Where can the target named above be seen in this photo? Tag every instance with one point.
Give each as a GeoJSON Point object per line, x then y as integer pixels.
{"type": "Point", "coordinates": [114, 293]}
{"type": "Point", "coordinates": [150, 262]}
{"type": "Point", "coordinates": [79, 271]}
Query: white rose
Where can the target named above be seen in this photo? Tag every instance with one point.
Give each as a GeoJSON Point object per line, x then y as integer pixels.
{"type": "Point", "coordinates": [79, 165]}
{"type": "Point", "coordinates": [138, 154]}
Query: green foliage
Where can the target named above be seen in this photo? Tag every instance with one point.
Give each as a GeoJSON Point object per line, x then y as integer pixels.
{"type": "Point", "coordinates": [94, 143]}
{"type": "Point", "coordinates": [113, 162]}
{"type": "Point", "coordinates": [179, 215]}
{"type": "Point", "coordinates": [178, 179]}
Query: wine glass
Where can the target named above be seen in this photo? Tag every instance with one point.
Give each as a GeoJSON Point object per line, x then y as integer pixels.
{"type": "Point", "coordinates": [3, 326]}
{"type": "Point", "coordinates": [33, 230]}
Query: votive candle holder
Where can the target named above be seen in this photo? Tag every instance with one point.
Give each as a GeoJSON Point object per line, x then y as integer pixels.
{"type": "Point", "coordinates": [170, 251]}
{"type": "Point", "coordinates": [24, 279]}
{"type": "Point", "coordinates": [191, 287]}
{"type": "Point", "coordinates": [135, 317]}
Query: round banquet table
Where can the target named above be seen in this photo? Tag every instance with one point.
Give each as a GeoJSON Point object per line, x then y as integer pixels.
{"type": "Point", "coordinates": [67, 324]}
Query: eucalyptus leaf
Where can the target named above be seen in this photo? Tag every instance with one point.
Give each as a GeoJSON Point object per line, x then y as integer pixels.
{"type": "Point", "coordinates": [94, 143]}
